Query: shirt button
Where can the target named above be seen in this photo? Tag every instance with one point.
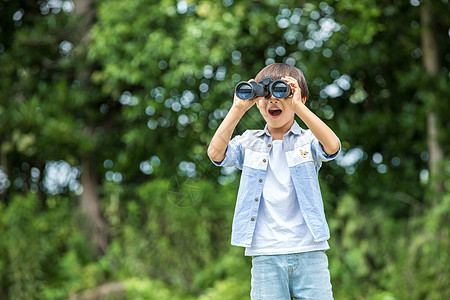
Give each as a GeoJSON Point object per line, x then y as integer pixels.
{"type": "Point", "coordinates": [256, 199]}
{"type": "Point", "coordinates": [253, 219]}
{"type": "Point", "coordinates": [260, 180]}
{"type": "Point", "coordinates": [269, 145]}
{"type": "Point", "coordinates": [264, 160]}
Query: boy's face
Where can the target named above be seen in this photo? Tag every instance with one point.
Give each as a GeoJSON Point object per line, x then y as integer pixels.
{"type": "Point", "coordinates": [276, 113]}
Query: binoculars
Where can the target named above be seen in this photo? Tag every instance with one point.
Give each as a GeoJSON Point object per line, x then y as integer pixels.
{"type": "Point", "coordinates": [248, 90]}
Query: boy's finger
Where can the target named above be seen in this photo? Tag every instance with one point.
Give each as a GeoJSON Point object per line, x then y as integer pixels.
{"type": "Point", "coordinates": [290, 80]}
{"type": "Point", "coordinates": [288, 77]}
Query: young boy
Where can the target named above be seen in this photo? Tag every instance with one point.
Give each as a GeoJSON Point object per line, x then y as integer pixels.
{"type": "Point", "coordinates": [279, 215]}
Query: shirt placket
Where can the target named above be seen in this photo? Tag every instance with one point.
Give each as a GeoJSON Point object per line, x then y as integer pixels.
{"type": "Point", "coordinates": [260, 183]}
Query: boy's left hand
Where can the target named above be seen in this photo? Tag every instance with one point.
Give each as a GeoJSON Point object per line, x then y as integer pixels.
{"type": "Point", "coordinates": [296, 96]}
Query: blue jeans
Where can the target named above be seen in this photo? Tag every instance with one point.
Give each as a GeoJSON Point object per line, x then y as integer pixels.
{"type": "Point", "coordinates": [300, 275]}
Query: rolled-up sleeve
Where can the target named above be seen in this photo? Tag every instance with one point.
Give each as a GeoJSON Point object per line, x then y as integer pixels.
{"type": "Point", "coordinates": [319, 153]}
{"type": "Point", "coordinates": [234, 155]}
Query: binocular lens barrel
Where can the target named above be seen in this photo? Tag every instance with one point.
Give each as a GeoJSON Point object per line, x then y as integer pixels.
{"type": "Point", "coordinates": [244, 91]}
{"type": "Point", "coordinates": [248, 90]}
{"type": "Point", "coordinates": [280, 89]}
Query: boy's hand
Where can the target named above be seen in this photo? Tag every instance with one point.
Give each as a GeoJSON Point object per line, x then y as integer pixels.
{"type": "Point", "coordinates": [219, 143]}
{"type": "Point", "coordinates": [327, 138]}
{"type": "Point", "coordinates": [296, 97]}
{"type": "Point", "coordinates": [243, 105]}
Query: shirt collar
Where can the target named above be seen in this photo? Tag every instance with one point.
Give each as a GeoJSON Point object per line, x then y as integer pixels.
{"type": "Point", "coordinates": [295, 129]}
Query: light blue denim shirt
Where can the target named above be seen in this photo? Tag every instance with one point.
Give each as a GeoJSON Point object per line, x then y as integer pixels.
{"type": "Point", "coordinates": [250, 153]}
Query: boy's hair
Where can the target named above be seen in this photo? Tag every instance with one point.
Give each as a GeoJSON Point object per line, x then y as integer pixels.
{"type": "Point", "coordinates": [278, 70]}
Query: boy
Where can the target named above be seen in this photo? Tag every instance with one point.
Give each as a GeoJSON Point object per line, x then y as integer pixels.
{"type": "Point", "coordinates": [279, 215]}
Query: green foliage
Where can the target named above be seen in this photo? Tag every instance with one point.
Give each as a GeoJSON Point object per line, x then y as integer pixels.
{"type": "Point", "coordinates": [228, 289]}
{"type": "Point", "coordinates": [143, 289]}
{"type": "Point", "coordinates": [425, 265]}
{"type": "Point", "coordinates": [168, 225]}
{"type": "Point", "coordinates": [376, 257]}
{"type": "Point", "coordinates": [357, 266]}
{"type": "Point", "coordinates": [44, 256]}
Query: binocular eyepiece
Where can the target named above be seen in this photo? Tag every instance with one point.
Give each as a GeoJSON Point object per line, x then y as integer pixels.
{"type": "Point", "coordinates": [248, 90]}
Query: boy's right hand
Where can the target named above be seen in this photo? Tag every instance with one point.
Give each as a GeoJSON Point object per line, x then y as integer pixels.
{"type": "Point", "coordinates": [218, 147]}
{"type": "Point", "coordinates": [244, 105]}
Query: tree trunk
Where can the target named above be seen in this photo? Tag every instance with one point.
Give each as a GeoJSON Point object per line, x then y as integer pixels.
{"type": "Point", "coordinates": [431, 63]}
{"type": "Point", "coordinates": [82, 7]}
{"type": "Point", "coordinates": [90, 199]}
{"type": "Point", "coordinates": [90, 206]}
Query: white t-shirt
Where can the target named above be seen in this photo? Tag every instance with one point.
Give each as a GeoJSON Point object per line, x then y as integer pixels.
{"type": "Point", "coordinates": [280, 227]}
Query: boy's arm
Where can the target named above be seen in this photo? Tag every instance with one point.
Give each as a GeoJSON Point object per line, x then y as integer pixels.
{"type": "Point", "coordinates": [327, 138]}
{"type": "Point", "coordinates": [218, 146]}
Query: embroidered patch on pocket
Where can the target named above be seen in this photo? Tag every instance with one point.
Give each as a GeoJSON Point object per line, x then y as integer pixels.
{"type": "Point", "coordinates": [299, 155]}
{"type": "Point", "coordinates": [304, 153]}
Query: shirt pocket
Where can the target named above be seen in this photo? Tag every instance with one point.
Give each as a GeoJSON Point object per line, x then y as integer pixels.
{"type": "Point", "coordinates": [300, 155]}
{"type": "Point", "coordinates": [256, 160]}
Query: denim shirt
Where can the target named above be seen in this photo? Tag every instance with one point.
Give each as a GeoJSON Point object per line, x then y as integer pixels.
{"type": "Point", "coordinates": [250, 153]}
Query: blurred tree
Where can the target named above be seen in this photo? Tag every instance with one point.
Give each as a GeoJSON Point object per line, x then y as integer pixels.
{"type": "Point", "coordinates": [432, 66]}
{"type": "Point", "coordinates": [386, 116]}
{"type": "Point", "coordinates": [90, 198]}
{"type": "Point", "coordinates": [49, 107]}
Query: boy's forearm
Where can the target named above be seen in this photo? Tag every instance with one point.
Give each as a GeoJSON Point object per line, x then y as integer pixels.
{"type": "Point", "coordinates": [219, 143]}
{"type": "Point", "coordinates": [326, 136]}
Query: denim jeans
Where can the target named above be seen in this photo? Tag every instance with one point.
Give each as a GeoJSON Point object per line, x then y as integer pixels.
{"type": "Point", "coordinates": [300, 275]}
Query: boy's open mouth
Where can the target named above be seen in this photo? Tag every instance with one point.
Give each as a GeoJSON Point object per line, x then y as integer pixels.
{"type": "Point", "coordinates": [274, 111]}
